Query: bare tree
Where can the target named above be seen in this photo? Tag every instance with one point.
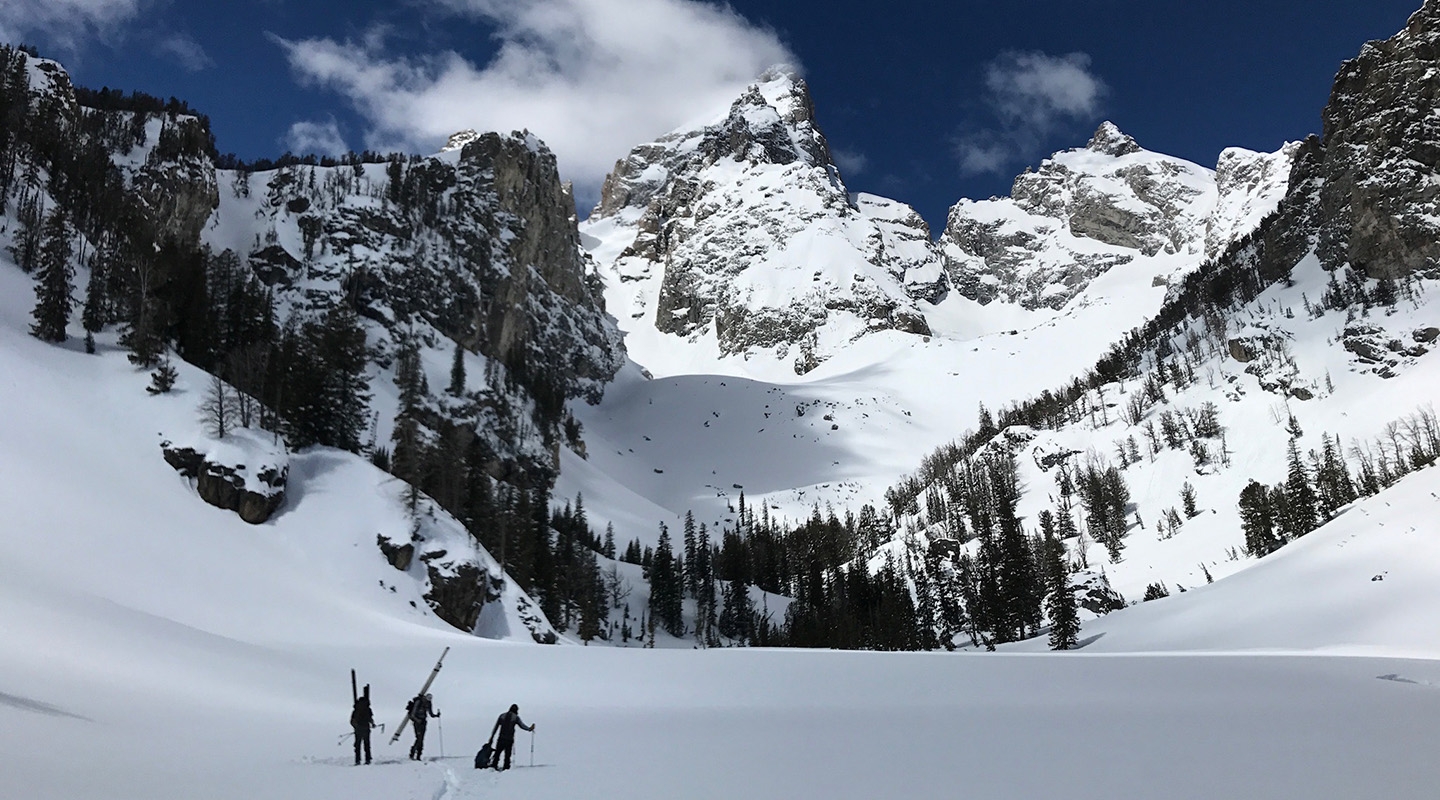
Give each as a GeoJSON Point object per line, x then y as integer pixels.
{"type": "Point", "coordinates": [219, 411]}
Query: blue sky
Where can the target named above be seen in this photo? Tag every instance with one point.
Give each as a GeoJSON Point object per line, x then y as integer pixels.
{"type": "Point", "coordinates": [924, 102]}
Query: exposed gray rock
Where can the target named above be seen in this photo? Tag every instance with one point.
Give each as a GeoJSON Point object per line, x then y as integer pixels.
{"type": "Point", "coordinates": [400, 556]}
{"type": "Point", "coordinates": [177, 185]}
{"type": "Point", "coordinates": [459, 595]}
{"type": "Point", "coordinates": [1381, 166]}
{"type": "Point", "coordinates": [255, 497]}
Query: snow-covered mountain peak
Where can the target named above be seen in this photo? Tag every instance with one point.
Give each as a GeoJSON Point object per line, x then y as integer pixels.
{"type": "Point", "coordinates": [1249, 185]}
{"type": "Point", "coordinates": [1084, 211]}
{"type": "Point", "coordinates": [740, 232]}
{"type": "Point", "coordinates": [1110, 140]}
{"type": "Point", "coordinates": [459, 139]}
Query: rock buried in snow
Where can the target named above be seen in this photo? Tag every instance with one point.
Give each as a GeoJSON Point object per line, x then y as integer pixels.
{"type": "Point", "coordinates": [244, 473]}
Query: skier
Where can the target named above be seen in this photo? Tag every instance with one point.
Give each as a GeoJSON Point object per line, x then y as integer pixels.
{"type": "Point", "coordinates": [421, 708]}
{"type": "Point", "coordinates": [361, 721]}
{"type": "Point", "coordinates": [506, 724]}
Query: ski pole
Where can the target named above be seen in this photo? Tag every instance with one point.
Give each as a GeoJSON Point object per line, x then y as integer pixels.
{"type": "Point", "coordinates": [532, 747]}
{"type": "Point", "coordinates": [442, 737]}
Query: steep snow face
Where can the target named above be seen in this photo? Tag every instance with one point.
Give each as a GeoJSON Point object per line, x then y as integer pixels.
{"type": "Point", "coordinates": [1249, 187]}
{"type": "Point", "coordinates": [1092, 209]}
{"type": "Point", "coordinates": [740, 231]}
{"type": "Point", "coordinates": [1376, 564]}
{"type": "Point", "coordinates": [86, 483]}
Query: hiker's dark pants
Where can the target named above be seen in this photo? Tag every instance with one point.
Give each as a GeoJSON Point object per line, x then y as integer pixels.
{"type": "Point", "coordinates": [362, 736]}
{"type": "Point", "coordinates": [506, 747]}
{"type": "Point", "coordinates": [418, 749]}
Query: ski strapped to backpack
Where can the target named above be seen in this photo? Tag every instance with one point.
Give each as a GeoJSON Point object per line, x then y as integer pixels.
{"type": "Point", "coordinates": [400, 729]}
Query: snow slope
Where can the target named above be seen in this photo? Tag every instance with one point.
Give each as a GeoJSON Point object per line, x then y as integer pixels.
{"type": "Point", "coordinates": [892, 397]}
{"type": "Point", "coordinates": [1043, 284]}
{"type": "Point", "coordinates": [1368, 582]}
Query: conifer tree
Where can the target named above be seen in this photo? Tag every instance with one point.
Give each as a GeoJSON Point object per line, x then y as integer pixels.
{"type": "Point", "coordinates": [608, 549]}
{"type": "Point", "coordinates": [162, 380]}
{"type": "Point", "coordinates": [1333, 484]}
{"type": "Point", "coordinates": [1300, 513]}
{"type": "Point", "coordinates": [1020, 594]}
{"type": "Point", "coordinates": [736, 612]}
{"type": "Point", "coordinates": [705, 615]}
{"type": "Point", "coordinates": [666, 587]}
{"type": "Point", "coordinates": [408, 459]}
{"type": "Point", "coordinates": [1060, 604]}
{"type": "Point", "coordinates": [1187, 500]}
{"type": "Point", "coordinates": [94, 312]}
{"type": "Point", "coordinates": [457, 371]}
{"type": "Point", "coordinates": [53, 276]}
{"type": "Point", "coordinates": [142, 330]}
{"type": "Point", "coordinates": [691, 581]}
{"type": "Point", "coordinates": [1257, 519]}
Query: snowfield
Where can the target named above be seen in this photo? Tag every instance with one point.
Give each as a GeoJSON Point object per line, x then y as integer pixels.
{"type": "Point", "coordinates": [152, 646]}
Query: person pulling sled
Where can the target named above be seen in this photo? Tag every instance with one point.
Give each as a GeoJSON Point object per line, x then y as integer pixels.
{"type": "Point", "coordinates": [420, 708]}
{"type": "Point", "coordinates": [506, 725]}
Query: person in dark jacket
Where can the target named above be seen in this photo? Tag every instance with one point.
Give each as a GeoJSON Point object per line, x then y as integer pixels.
{"type": "Point", "coordinates": [421, 708]}
{"type": "Point", "coordinates": [506, 725]}
{"type": "Point", "coordinates": [361, 721]}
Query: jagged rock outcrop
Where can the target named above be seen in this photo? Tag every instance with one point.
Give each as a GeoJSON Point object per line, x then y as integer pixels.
{"type": "Point", "coordinates": [1381, 167]}
{"type": "Point", "coordinates": [176, 182]}
{"type": "Point", "coordinates": [479, 243]}
{"type": "Point", "coordinates": [400, 556]}
{"type": "Point", "coordinates": [236, 476]}
{"type": "Point", "coordinates": [742, 229]}
{"type": "Point", "coordinates": [1084, 212]}
{"type": "Point", "coordinates": [162, 158]}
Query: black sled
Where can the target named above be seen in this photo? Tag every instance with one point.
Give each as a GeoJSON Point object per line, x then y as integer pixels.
{"type": "Point", "coordinates": [482, 758]}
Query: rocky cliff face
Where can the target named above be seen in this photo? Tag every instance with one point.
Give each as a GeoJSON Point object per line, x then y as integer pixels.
{"type": "Point", "coordinates": [477, 245]}
{"type": "Point", "coordinates": [472, 254]}
{"type": "Point", "coordinates": [1381, 165]}
{"type": "Point", "coordinates": [165, 164]}
{"type": "Point", "coordinates": [1084, 212]}
{"type": "Point", "coordinates": [742, 229]}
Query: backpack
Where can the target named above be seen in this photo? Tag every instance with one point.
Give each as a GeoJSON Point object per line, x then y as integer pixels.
{"type": "Point", "coordinates": [482, 758]}
{"type": "Point", "coordinates": [361, 715]}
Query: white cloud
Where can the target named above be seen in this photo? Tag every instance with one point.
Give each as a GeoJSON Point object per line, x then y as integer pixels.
{"type": "Point", "coordinates": [1031, 95]}
{"type": "Point", "coordinates": [593, 78]}
{"type": "Point", "coordinates": [319, 138]}
{"type": "Point", "coordinates": [185, 51]}
{"type": "Point", "coordinates": [851, 162]}
{"type": "Point", "coordinates": [63, 23]}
